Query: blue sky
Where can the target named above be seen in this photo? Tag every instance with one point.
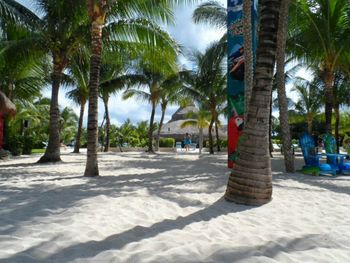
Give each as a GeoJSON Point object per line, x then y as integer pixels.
{"type": "Point", "coordinates": [186, 33]}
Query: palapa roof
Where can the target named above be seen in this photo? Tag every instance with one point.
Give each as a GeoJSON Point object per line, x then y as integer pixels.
{"type": "Point", "coordinates": [173, 127]}
{"type": "Point", "coordinates": [6, 106]}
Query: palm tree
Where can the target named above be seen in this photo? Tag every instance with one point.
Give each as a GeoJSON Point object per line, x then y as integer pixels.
{"type": "Point", "coordinates": [207, 82]}
{"type": "Point", "coordinates": [154, 81]}
{"type": "Point", "coordinates": [281, 88]}
{"type": "Point", "coordinates": [68, 123]}
{"type": "Point", "coordinates": [171, 92]}
{"type": "Point", "coordinates": [121, 27]}
{"type": "Point", "coordinates": [320, 36]}
{"type": "Point", "coordinates": [58, 31]}
{"type": "Point", "coordinates": [79, 70]}
{"type": "Point", "coordinates": [201, 120]}
{"type": "Point", "coordinates": [250, 181]}
{"type": "Point", "coordinates": [309, 102]}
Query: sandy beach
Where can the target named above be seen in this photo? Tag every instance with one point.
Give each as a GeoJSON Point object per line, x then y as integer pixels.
{"type": "Point", "coordinates": [165, 208]}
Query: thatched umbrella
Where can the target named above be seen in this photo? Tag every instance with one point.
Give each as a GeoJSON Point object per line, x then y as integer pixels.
{"type": "Point", "coordinates": [6, 106]}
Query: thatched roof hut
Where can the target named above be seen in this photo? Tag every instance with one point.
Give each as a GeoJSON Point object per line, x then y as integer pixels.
{"type": "Point", "coordinates": [172, 129]}
{"type": "Point", "coordinates": [6, 106]}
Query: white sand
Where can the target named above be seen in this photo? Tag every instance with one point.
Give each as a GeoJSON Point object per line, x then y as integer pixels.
{"type": "Point", "coordinates": [165, 208]}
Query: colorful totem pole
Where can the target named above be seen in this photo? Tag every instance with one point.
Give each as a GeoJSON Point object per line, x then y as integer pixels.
{"type": "Point", "coordinates": [236, 73]}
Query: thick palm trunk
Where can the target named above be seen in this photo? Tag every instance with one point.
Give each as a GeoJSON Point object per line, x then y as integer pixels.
{"type": "Point", "coordinates": [281, 88]}
{"type": "Point", "coordinates": [98, 17]}
{"type": "Point", "coordinates": [211, 146]}
{"type": "Point", "coordinates": [108, 125]}
{"type": "Point", "coordinates": [80, 127]}
{"type": "Point", "coordinates": [217, 137]}
{"type": "Point", "coordinates": [52, 153]}
{"type": "Point", "coordinates": [250, 181]}
{"type": "Point", "coordinates": [328, 80]}
{"type": "Point", "coordinates": [248, 53]}
{"type": "Point", "coordinates": [163, 106]}
{"type": "Point", "coordinates": [150, 132]}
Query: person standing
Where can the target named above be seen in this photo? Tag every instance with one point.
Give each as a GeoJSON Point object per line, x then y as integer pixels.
{"type": "Point", "coordinates": [187, 141]}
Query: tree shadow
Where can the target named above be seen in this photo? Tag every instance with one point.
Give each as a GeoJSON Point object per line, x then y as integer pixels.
{"type": "Point", "coordinates": [138, 233]}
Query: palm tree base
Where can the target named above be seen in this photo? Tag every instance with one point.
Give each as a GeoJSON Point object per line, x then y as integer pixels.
{"type": "Point", "coordinates": [246, 192]}
{"type": "Point", "coordinates": [50, 158]}
{"type": "Point", "coordinates": [246, 201]}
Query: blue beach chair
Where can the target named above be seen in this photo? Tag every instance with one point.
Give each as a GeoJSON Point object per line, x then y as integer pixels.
{"type": "Point", "coordinates": [312, 159]}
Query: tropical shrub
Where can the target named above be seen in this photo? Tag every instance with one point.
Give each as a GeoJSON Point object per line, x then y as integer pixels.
{"type": "Point", "coordinates": [167, 142]}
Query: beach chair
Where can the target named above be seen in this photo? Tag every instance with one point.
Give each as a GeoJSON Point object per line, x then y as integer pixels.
{"type": "Point", "coordinates": [178, 146]}
{"type": "Point", "coordinates": [331, 148]}
{"type": "Point", "coordinates": [312, 159]}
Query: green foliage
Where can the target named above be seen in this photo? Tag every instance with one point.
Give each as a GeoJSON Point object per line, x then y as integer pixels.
{"type": "Point", "coordinates": [15, 144]}
{"type": "Point", "coordinates": [167, 142]}
{"type": "Point", "coordinates": [28, 143]}
{"type": "Point", "coordinates": [223, 143]}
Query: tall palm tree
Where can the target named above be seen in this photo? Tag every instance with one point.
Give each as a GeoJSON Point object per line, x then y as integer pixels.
{"type": "Point", "coordinates": [207, 82]}
{"type": "Point", "coordinates": [127, 21]}
{"type": "Point", "coordinates": [201, 120]}
{"type": "Point", "coordinates": [281, 88]}
{"type": "Point", "coordinates": [250, 181]}
{"type": "Point", "coordinates": [321, 35]}
{"type": "Point", "coordinates": [154, 82]}
{"type": "Point", "coordinates": [58, 31]}
{"type": "Point", "coordinates": [309, 101]}
{"type": "Point", "coordinates": [79, 70]}
{"type": "Point", "coordinates": [171, 91]}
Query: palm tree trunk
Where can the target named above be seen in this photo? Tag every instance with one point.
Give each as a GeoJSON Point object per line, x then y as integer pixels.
{"type": "Point", "coordinates": [80, 127]}
{"type": "Point", "coordinates": [108, 124]}
{"type": "Point", "coordinates": [337, 121]}
{"type": "Point", "coordinates": [163, 106]}
{"type": "Point", "coordinates": [270, 129]}
{"type": "Point", "coordinates": [281, 88]}
{"type": "Point", "coordinates": [250, 182]}
{"type": "Point", "coordinates": [309, 124]}
{"type": "Point", "coordinates": [211, 146]}
{"type": "Point", "coordinates": [248, 53]}
{"type": "Point", "coordinates": [97, 14]}
{"type": "Point", "coordinates": [328, 80]}
{"type": "Point", "coordinates": [217, 137]}
{"type": "Point", "coordinates": [150, 132]}
{"type": "Point", "coordinates": [200, 140]}
{"type": "Point", "coordinates": [52, 153]}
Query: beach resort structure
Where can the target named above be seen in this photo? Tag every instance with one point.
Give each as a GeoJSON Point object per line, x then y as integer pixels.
{"type": "Point", "coordinates": [173, 129]}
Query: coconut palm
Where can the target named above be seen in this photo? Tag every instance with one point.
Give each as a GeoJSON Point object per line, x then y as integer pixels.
{"type": "Point", "coordinates": [126, 21]}
{"type": "Point", "coordinates": [207, 82]}
{"type": "Point", "coordinates": [58, 31]}
{"type": "Point", "coordinates": [309, 102]}
{"type": "Point", "coordinates": [171, 92]}
{"type": "Point", "coordinates": [250, 181]}
{"type": "Point", "coordinates": [79, 71]}
{"type": "Point", "coordinates": [68, 124]}
{"type": "Point", "coordinates": [154, 81]}
{"type": "Point", "coordinates": [201, 120]}
{"type": "Point", "coordinates": [320, 36]}
{"type": "Point", "coordinates": [281, 88]}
